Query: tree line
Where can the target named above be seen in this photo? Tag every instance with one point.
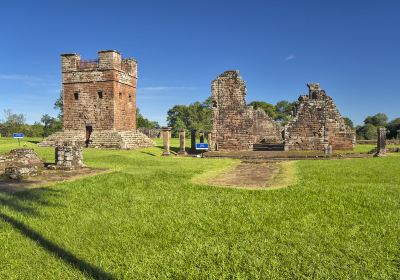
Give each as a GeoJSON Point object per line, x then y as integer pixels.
{"type": "Point", "coordinates": [16, 123]}
{"type": "Point", "coordinates": [195, 116]}
{"type": "Point", "coordinates": [198, 116]}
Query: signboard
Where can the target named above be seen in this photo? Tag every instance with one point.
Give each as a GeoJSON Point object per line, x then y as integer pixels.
{"type": "Point", "coordinates": [18, 135]}
{"type": "Point", "coordinates": [201, 146]}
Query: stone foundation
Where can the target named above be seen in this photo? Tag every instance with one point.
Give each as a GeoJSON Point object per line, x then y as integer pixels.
{"type": "Point", "coordinates": [105, 139]}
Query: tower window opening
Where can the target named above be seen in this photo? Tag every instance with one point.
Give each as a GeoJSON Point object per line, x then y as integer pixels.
{"type": "Point", "coordinates": [76, 95]}
{"type": "Point", "coordinates": [100, 93]}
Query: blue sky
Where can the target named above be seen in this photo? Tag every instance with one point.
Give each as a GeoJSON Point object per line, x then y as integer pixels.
{"type": "Point", "coordinates": [350, 47]}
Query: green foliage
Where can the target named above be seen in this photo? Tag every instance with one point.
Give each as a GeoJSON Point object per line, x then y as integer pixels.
{"type": "Point", "coordinates": [13, 123]}
{"type": "Point", "coordinates": [146, 220]}
{"type": "Point", "coordinates": [194, 116]}
{"type": "Point", "coordinates": [59, 104]}
{"type": "Point", "coordinates": [281, 112]}
{"type": "Point", "coordinates": [51, 125]}
{"type": "Point", "coordinates": [349, 122]}
{"type": "Point", "coordinates": [393, 127]}
{"type": "Point", "coordinates": [267, 107]}
{"type": "Point", "coordinates": [379, 120]}
{"type": "Point", "coordinates": [367, 132]}
{"type": "Point", "coordinates": [141, 121]}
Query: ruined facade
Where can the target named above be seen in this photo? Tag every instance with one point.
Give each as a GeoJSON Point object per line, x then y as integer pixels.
{"type": "Point", "coordinates": [317, 124]}
{"type": "Point", "coordinates": [237, 126]}
{"type": "Point", "coordinates": [99, 99]}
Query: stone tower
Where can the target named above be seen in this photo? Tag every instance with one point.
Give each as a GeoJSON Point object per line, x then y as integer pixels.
{"type": "Point", "coordinates": [237, 126]}
{"type": "Point", "coordinates": [99, 94]}
{"type": "Point", "coordinates": [99, 98]}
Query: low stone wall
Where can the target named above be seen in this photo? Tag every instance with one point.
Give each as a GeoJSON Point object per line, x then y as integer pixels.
{"type": "Point", "coordinates": [19, 163]}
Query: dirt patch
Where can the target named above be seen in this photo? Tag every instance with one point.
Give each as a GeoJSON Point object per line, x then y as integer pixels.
{"type": "Point", "coordinates": [46, 177]}
{"type": "Point", "coordinates": [254, 175]}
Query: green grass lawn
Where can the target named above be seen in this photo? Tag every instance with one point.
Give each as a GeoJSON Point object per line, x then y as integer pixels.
{"type": "Point", "coordinates": [147, 220]}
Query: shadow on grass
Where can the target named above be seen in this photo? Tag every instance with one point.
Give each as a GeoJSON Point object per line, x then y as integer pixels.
{"type": "Point", "coordinates": [175, 150]}
{"type": "Point", "coordinates": [33, 141]}
{"type": "Point", "coordinates": [69, 258]}
{"type": "Point", "coordinates": [24, 202]}
{"type": "Point", "coordinates": [147, 153]}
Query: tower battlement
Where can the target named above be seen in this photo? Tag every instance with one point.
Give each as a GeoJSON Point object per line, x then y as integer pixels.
{"type": "Point", "coordinates": [107, 60]}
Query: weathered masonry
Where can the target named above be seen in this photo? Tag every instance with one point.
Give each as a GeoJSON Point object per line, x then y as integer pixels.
{"type": "Point", "coordinates": [317, 124]}
{"type": "Point", "coordinates": [237, 126]}
{"type": "Point", "coordinates": [99, 98]}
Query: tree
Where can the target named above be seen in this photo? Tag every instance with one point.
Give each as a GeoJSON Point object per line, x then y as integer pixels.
{"type": "Point", "coordinates": [349, 122]}
{"type": "Point", "coordinates": [284, 111]}
{"type": "Point", "coordinates": [393, 127]}
{"type": "Point", "coordinates": [379, 120]}
{"type": "Point", "coordinates": [367, 132]}
{"type": "Point", "coordinates": [267, 107]}
{"type": "Point", "coordinates": [13, 123]}
{"type": "Point", "coordinates": [59, 104]}
{"type": "Point", "coordinates": [51, 125]}
{"type": "Point", "coordinates": [194, 116]}
{"type": "Point", "coordinates": [141, 121]}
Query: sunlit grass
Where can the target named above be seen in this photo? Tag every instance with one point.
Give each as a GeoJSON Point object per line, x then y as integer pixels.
{"type": "Point", "coordinates": [147, 220]}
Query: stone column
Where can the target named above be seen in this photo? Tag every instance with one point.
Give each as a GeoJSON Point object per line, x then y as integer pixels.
{"type": "Point", "coordinates": [328, 150]}
{"type": "Point", "coordinates": [166, 133]}
{"type": "Point", "coordinates": [193, 140]}
{"type": "Point", "coordinates": [202, 136]}
{"type": "Point", "coordinates": [182, 149]}
{"type": "Point", "coordinates": [381, 145]}
{"type": "Point", "coordinates": [209, 140]}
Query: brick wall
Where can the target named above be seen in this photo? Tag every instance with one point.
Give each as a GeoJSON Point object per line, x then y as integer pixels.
{"type": "Point", "coordinates": [100, 93]}
{"type": "Point", "coordinates": [317, 123]}
{"type": "Point", "coordinates": [237, 126]}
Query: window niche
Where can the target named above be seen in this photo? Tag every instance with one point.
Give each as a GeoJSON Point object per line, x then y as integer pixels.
{"type": "Point", "coordinates": [100, 94]}
{"type": "Point", "coordinates": [76, 95]}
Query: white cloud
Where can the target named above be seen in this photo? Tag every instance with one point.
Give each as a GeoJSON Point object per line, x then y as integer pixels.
{"type": "Point", "coordinates": [290, 57]}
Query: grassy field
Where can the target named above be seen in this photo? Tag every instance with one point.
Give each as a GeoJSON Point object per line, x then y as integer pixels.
{"type": "Point", "coordinates": [147, 220]}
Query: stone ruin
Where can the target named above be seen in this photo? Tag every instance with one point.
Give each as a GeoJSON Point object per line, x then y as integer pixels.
{"type": "Point", "coordinates": [381, 143]}
{"type": "Point", "coordinates": [237, 126]}
{"type": "Point", "coordinates": [317, 123]}
{"type": "Point", "coordinates": [20, 163]}
{"type": "Point", "coordinates": [99, 101]}
{"type": "Point", "coordinates": [69, 155]}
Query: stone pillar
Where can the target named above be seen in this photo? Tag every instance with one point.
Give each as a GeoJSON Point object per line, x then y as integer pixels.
{"type": "Point", "coordinates": [328, 150]}
{"type": "Point", "coordinates": [209, 140]}
{"type": "Point", "coordinates": [202, 136]}
{"type": "Point", "coordinates": [68, 154]}
{"type": "Point", "coordinates": [182, 148]}
{"type": "Point", "coordinates": [381, 145]}
{"type": "Point", "coordinates": [193, 140]}
{"type": "Point", "coordinates": [166, 134]}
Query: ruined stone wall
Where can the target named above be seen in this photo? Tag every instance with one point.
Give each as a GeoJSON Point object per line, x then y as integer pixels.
{"type": "Point", "coordinates": [317, 124]}
{"type": "Point", "coordinates": [100, 93]}
{"type": "Point", "coordinates": [20, 158]}
{"type": "Point", "coordinates": [237, 126]}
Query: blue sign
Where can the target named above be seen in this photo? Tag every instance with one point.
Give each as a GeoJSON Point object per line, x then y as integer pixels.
{"type": "Point", "coordinates": [201, 146]}
{"type": "Point", "coordinates": [18, 135]}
